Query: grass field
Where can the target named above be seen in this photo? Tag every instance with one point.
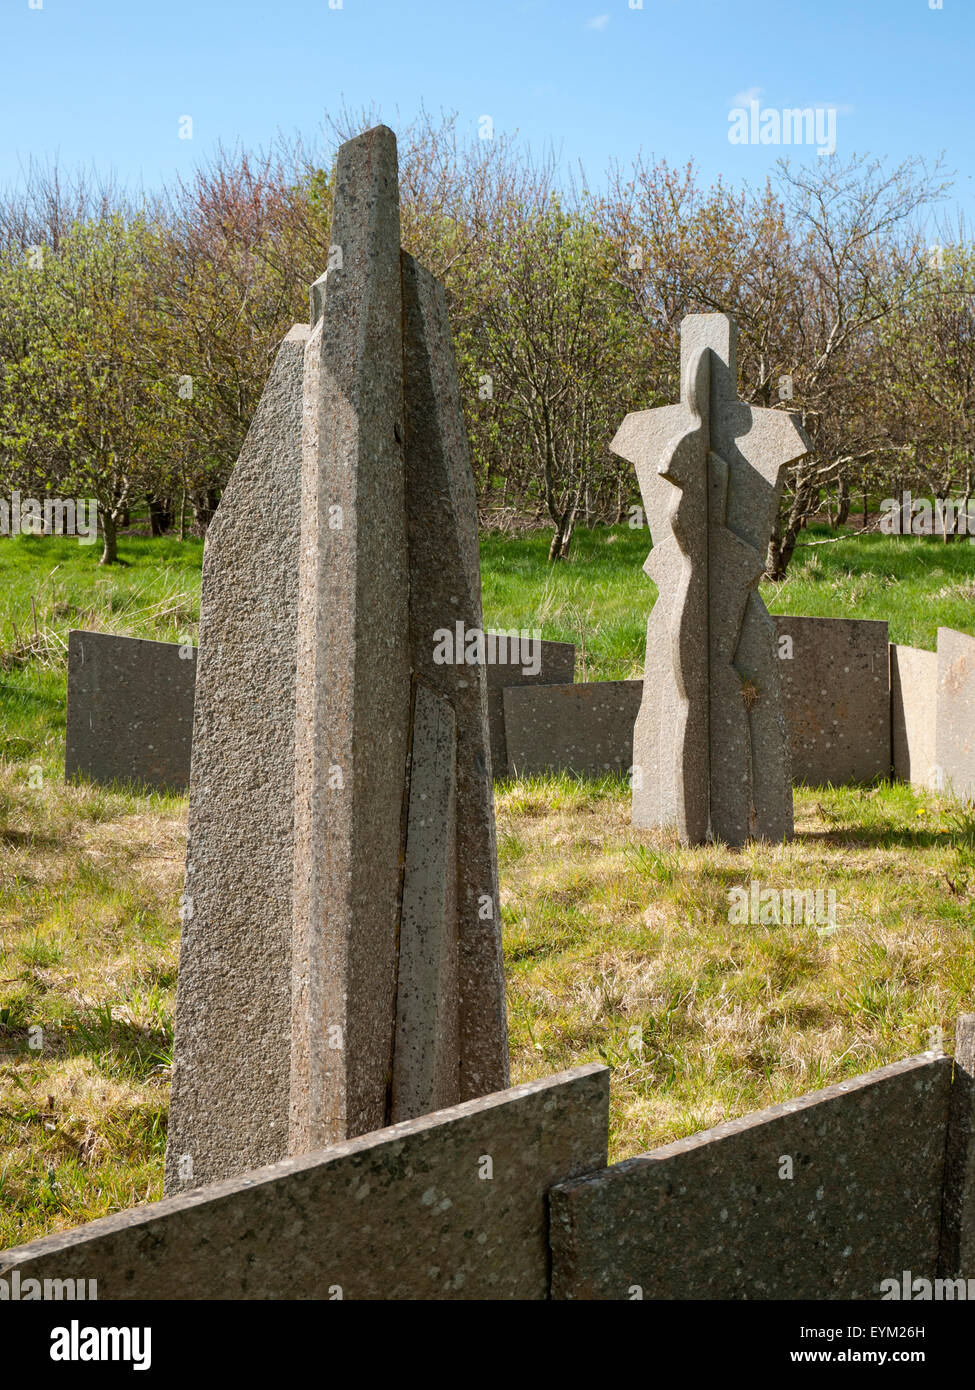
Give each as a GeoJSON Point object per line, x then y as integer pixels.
{"type": "Point", "coordinates": [618, 943]}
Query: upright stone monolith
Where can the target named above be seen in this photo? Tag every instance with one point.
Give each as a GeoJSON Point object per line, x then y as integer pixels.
{"type": "Point", "coordinates": [711, 746]}
{"type": "Point", "coordinates": [229, 1106]}
{"type": "Point", "coordinates": [341, 968]}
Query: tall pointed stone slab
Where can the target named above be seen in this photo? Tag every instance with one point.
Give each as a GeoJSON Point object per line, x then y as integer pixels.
{"type": "Point", "coordinates": [229, 1107]}
{"type": "Point", "coordinates": [711, 747]}
{"type": "Point", "coordinates": [342, 966]}
{"type": "Point", "coordinates": [353, 683]}
{"type": "Point", "coordinates": [445, 588]}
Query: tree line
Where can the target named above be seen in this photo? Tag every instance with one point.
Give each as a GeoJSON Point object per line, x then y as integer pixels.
{"type": "Point", "coordinates": [136, 333]}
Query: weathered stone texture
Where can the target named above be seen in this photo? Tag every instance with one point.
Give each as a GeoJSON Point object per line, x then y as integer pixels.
{"type": "Point", "coordinates": [451, 1206]}
{"type": "Point", "coordinates": [715, 1216]}
{"type": "Point", "coordinates": [229, 1109]}
{"type": "Point", "coordinates": [710, 743]}
{"type": "Point", "coordinates": [837, 696]}
{"type": "Point", "coordinates": [444, 589]}
{"type": "Point", "coordinates": [913, 714]}
{"type": "Point", "coordinates": [556, 667]}
{"type": "Point", "coordinates": [130, 711]}
{"type": "Point", "coordinates": [585, 729]}
{"type": "Point", "coordinates": [955, 736]}
{"type": "Point", "coordinates": [957, 1258]}
{"type": "Point", "coordinates": [353, 668]}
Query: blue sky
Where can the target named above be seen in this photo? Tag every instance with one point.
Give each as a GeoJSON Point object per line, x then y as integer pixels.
{"type": "Point", "coordinates": [105, 82]}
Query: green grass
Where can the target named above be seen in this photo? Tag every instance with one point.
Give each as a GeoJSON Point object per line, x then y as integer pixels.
{"type": "Point", "coordinates": [600, 599]}
{"type": "Point", "coordinates": [618, 943]}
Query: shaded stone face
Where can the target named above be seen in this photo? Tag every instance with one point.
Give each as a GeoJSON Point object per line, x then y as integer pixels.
{"type": "Point", "coordinates": [341, 965]}
{"type": "Point", "coordinates": [585, 729]}
{"type": "Point", "coordinates": [451, 1206]}
{"type": "Point", "coordinates": [710, 747]}
{"type": "Point", "coordinates": [821, 1197]}
{"type": "Point", "coordinates": [130, 710]}
{"type": "Point", "coordinates": [836, 687]}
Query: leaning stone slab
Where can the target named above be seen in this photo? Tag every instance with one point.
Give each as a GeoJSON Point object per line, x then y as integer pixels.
{"type": "Point", "coordinates": [229, 1108]}
{"type": "Point", "coordinates": [556, 666]}
{"type": "Point", "coordinates": [130, 711]}
{"type": "Point", "coordinates": [836, 692]}
{"type": "Point", "coordinates": [913, 714]}
{"type": "Point", "coordinates": [585, 729]}
{"type": "Point", "coordinates": [955, 736]}
{"type": "Point", "coordinates": [822, 1197]}
{"type": "Point", "coordinates": [451, 1206]}
{"type": "Point", "coordinates": [444, 593]}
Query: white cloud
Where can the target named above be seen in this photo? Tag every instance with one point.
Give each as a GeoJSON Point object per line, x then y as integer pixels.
{"type": "Point", "coordinates": [749, 94]}
{"type": "Point", "coordinates": [598, 21]}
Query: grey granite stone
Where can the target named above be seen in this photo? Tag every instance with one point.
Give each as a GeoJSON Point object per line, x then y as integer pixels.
{"type": "Point", "coordinates": [426, 1058]}
{"type": "Point", "coordinates": [957, 1257]}
{"type": "Point", "coordinates": [837, 695]}
{"type": "Point", "coordinates": [444, 590]}
{"type": "Point", "coordinates": [130, 711]}
{"type": "Point", "coordinates": [585, 729]}
{"type": "Point", "coordinates": [229, 1107]}
{"type": "Point", "coordinates": [913, 714]}
{"type": "Point", "coordinates": [353, 670]}
{"type": "Point", "coordinates": [556, 667]}
{"type": "Point", "coordinates": [451, 1206]}
{"type": "Point", "coordinates": [954, 769]}
{"type": "Point", "coordinates": [711, 753]}
{"type": "Point", "coordinates": [716, 1216]}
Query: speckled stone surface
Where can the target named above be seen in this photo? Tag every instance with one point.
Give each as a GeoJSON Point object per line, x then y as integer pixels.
{"type": "Point", "coordinates": [913, 713]}
{"type": "Point", "coordinates": [556, 667]}
{"type": "Point", "coordinates": [130, 711]}
{"type": "Point", "coordinates": [452, 1206]}
{"type": "Point", "coordinates": [229, 1107]}
{"type": "Point", "coordinates": [837, 698]}
{"type": "Point", "coordinates": [426, 1056]}
{"type": "Point", "coordinates": [444, 589]}
{"type": "Point", "coordinates": [711, 745]}
{"type": "Point", "coordinates": [353, 676]}
{"type": "Point", "coordinates": [955, 736]}
{"type": "Point", "coordinates": [711, 1217]}
{"type": "Point", "coordinates": [958, 1212]}
{"type": "Point", "coordinates": [585, 728]}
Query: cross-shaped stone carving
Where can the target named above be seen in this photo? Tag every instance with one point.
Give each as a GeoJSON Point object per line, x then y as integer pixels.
{"type": "Point", "coordinates": [710, 746]}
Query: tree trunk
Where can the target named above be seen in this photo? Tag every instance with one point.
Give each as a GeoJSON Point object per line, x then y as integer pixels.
{"type": "Point", "coordinates": [158, 517]}
{"type": "Point", "coordinates": [842, 501]}
{"type": "Point", "coordinates": [110, 534]}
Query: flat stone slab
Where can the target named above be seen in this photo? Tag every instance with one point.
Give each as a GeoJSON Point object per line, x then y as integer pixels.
{"type": "Point", "coordinates": [836, 690]}
{"type": "Point", "coordinates": [451, 1206]}
{"type": "Point", "coordinates": [913, 714]}
{"type": "Point", "coordinates": [130, 711]}
{"type": "Point", "coordinates": [955, 737]}
{"type": "Point", "coordinates": [716, 1216]}
{"type": "Point", "coordinates": [585, 729]}
{"type": "Point", "coordinates": [556, 667]}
